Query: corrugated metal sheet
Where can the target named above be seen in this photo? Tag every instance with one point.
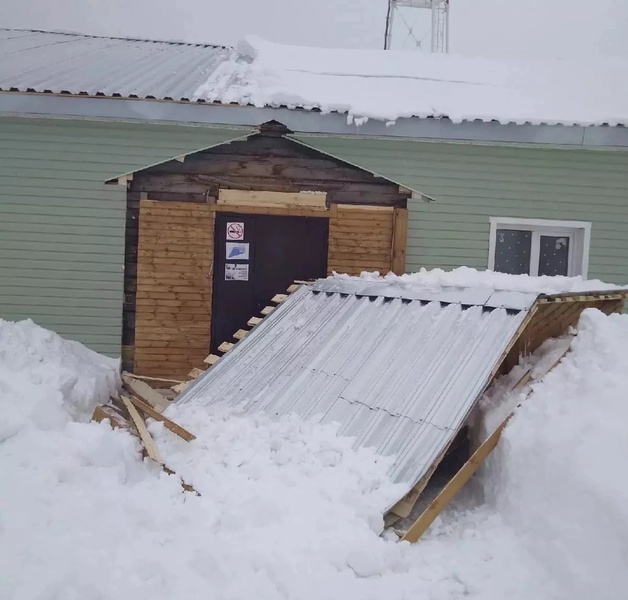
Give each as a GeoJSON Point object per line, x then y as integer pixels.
{"type": "Point", "coordinates": [80, 64]}
{"type": "Point", "coordinates": [400, 376]}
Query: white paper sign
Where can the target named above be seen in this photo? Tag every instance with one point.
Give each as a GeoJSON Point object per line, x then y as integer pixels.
{"type": "Point", "coordinates": [237, 251]}
{"type": "Point", "coordinates": [235, 272]}
{"type": "Point", "coordinates": [235, 231]}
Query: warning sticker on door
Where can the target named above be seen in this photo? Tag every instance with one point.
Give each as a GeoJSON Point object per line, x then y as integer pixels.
{"type": "Point", "coordinates": [237, 251]}
{"type": "Point", "coordinates": [235, 231]}
{"type": "Point", "coordinates": [234, 272]}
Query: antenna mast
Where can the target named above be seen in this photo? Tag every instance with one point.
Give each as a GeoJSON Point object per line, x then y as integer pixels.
{"type": "Point", "coordinates": [413, 9]}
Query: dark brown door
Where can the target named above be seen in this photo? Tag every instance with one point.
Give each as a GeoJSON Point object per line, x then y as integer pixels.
{"type": "Point", "coordinates": [256, 257]}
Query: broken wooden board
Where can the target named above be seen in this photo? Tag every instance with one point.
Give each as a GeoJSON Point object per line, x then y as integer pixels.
{"type": "Point", "coordinates": [145, 436]}
{"type": "Point", "coordinates": [104, 412]}
{"type": "Point", "coordinates": [170, 425]}
{"type": "Point", "coordinates": [145, 392]}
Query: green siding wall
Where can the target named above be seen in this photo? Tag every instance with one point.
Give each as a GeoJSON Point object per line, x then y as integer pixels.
{"type": "Point", "coordinates": [62, 228]}
{"type": "Point", "coordinates": [471, 183]}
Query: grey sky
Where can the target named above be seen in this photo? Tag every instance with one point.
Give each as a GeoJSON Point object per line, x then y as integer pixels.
{"type": "Point", "coordinates": [488, 27]}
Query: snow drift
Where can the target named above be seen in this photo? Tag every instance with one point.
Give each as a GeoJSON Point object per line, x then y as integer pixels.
{"type": "Point", "coordinates": [388, 85]}
{"type": "Point", "coordinates": [288, 510]}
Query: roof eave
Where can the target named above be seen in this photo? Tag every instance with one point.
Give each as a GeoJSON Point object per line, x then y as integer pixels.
{"type": "Point", "coordinates": [306, 122]}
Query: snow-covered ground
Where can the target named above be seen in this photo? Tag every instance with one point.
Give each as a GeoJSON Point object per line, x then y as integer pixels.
{"type": "Point", "coordinates": [287, 510]}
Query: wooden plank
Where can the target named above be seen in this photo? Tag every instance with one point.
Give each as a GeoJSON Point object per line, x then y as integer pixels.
{"type": "Point", "coordinates": [253, 321]}
{"type": "Point", "coordinates": [400, 240]}
{"type": "Point", "coordinates": [272, 199]}
{"type": "Point", "coordinates": [420, 526]}
{"type": "Point", "coordinates": [170, 425]}
{"type": "Point", "coordinates": [364, 208]}
{"type": "Point", "coordinates": [155, 379]}
{"type": "Point", "coordinates": [212, 359]}
{"type": "Point", "coordinates": [240, 334]}
{"type": "Point", "coordinates": [147, 440]}
{"type": "Point", "coordinates": [287, 211]}
{"type": "Point", "coordinates": [267, 310]}
{"type": "Point", "coordinates": [103, 412]}
{"type": "Point", "coordinates": [195, 372]}
{"type": "Point", "coordinates": [225, 346]}
{"type": "Point", "coordinates": [293, 288]}
{"type": "Point", "coordinates": [145, 392]}
{"type": "Point", "coordinates": [279, 298]}
{"type": "Point", "coordinates": [181, 387]}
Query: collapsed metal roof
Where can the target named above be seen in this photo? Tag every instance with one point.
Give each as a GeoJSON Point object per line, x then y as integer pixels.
{"type": "Point", "coordinates": [398, 374]}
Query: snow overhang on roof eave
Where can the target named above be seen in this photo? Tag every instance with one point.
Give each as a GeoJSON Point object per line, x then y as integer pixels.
{"type": "Point", "coordinates": [308, 122]}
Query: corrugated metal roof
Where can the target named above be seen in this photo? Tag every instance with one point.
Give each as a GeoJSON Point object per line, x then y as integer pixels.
{"type": "Point", "coordinates": [71, 63]}
{"type": "Point", "coordinates": [398, 375]}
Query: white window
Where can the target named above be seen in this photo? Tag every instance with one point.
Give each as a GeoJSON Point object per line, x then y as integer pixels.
{"type": "Point", "coordinates": [539, 247]}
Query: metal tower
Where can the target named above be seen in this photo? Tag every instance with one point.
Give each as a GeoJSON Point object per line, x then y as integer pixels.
{"type": "Point", "coordinates": [412, 10]}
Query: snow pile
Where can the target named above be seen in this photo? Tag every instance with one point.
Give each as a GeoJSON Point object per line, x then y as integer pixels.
{"type": "Point", "coordinates": [289, 510]}
{"type": "Point", "coordinates": [47, 380]}
{"type": "Point", "coordinates": [557, 475]}
{"type": "Point", "coordinates": [465, 277]}
{"type": "Point", "coordinates": [388, 85]}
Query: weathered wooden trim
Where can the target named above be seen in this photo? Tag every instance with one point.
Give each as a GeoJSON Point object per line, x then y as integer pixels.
{"type": "Point", "coordinates": [400, 240]}
{"type": "Point", "coordinates": [279, 211]}
{"type": "Point", "coordinates": [315, 201]}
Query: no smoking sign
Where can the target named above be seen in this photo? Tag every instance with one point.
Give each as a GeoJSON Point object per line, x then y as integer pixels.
{"type": "Point", "coordinates": [235, 231]}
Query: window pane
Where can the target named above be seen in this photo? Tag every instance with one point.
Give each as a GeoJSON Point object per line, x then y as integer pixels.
{"type": "Point", "coordinates": [554, 255]}
{"type": "Point", "coordinates": [512, 251]}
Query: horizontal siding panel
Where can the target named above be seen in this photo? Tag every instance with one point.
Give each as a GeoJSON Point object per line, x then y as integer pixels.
{"type": "Point", "coordinates": [471, 183]}
{"type": "Point", "coordinates": [62, 228]}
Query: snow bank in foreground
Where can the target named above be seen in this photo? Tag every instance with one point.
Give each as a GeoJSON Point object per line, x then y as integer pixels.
{"type": "Point", "coordinates": [288, 510]}
{"type": "Point", "coordinates": [557, 476]}
{"type": "Point", "coordinates": [47, 380]}
{"type": "Point", "coordinates": [472, 278]}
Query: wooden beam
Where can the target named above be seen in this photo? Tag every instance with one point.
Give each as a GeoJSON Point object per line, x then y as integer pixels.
{"type": "Point", "coordinates": [181, 387]}
{"type": "Point", "coordinates": [225, 346]}
{"type": "Point", "coordinates": [315, 200]}
{"type": "Point", "coordinates": [194, 373]}
{"type": "Point", "coordinates": [267, 310]}
{"type": "Point", "coordinates": [240, 334]}
{"type": "Point", "coordinates": [212, 359]}
{"type": "Point", "coordinates": [170, 425]}
{"type": "Point", "coordinates": [155, 379]}
{"type": "Point", "coordinates": [147, 440]}
{"type": "Point", "coordinates": [253, 321]}
{"type": "Point", "coordinates": [279, 298]}
{"type": "Point", "coordinates": [279, 211]}
{"type": "Point", "coordinates": [145, 392]}
{"type": "Point", "coordinates": [420, 526]}
{"type": "Point", "coordinates": [293, 288]}
{"type": "Point", "coordinates": [103, 412]}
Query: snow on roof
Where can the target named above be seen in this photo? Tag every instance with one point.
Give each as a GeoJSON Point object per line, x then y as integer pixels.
{"type": "Point", "coordinates": [388, 85]}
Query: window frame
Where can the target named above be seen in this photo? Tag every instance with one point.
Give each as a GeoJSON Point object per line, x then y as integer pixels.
{"type": "Point", "coordinates": [578, 232]}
